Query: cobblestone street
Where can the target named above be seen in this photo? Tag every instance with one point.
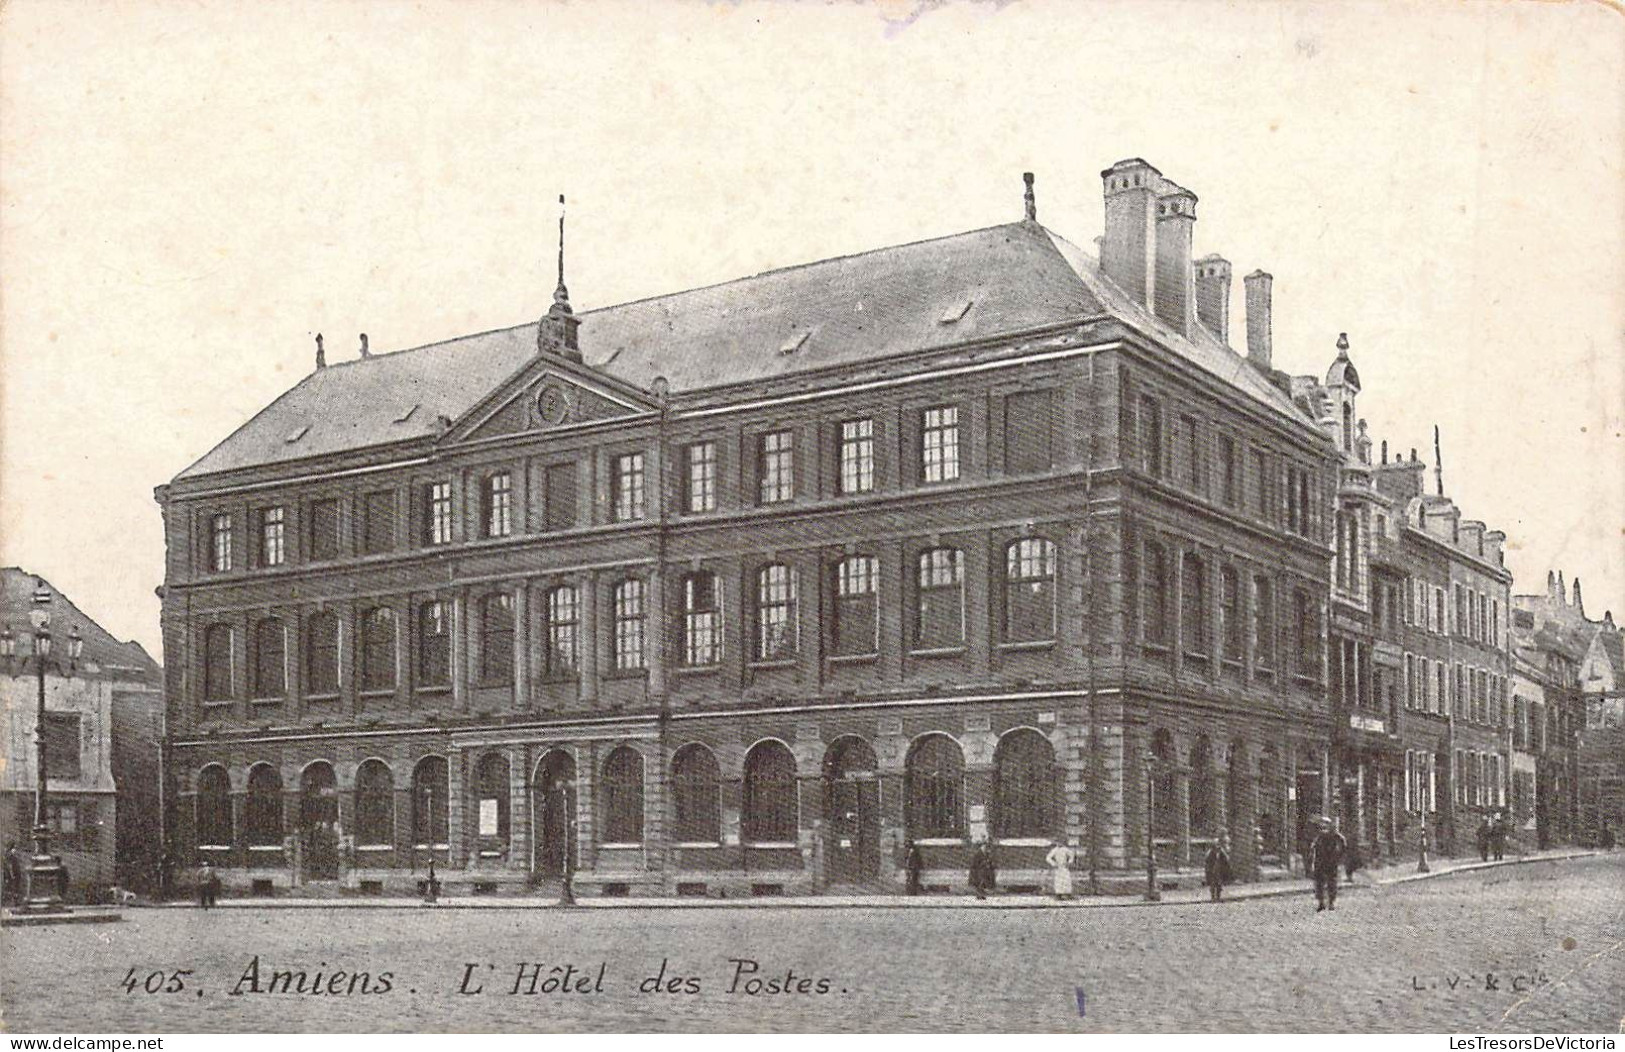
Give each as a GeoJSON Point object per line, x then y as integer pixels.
{"type": "Point", "coordinates": [1535, 947]}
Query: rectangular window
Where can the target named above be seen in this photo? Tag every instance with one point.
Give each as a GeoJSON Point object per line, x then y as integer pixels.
{"type": "Point", "coordinates": [1229, 489]}
{"type": "Point", "coordinates": [940, 591]}
{"type": "Point", "coordinates": [702, 639]}
{"type": "Point", "coordinates": [700, 477]}
{"type": "Point", "coordinates": [499, 505]}
{"type": "Point", "coordinates": [1028, 432]}
{"type": "Point", "coordinates": [1150, 436]}
{"type": "Point", "coordinates": [62, 745]}
{"type": "Point", "coordinates": [856, 598]}
{"type": "Point", "coordinates": [1263, 623]}
{"type": "Point", "coordinates": [629, 626]}
{"type": "Point", "coordinates": [563, 629]}
{"type": "Point", "coordinates": [1191, 453]}
{"type": "Point", "coordinates": [496, 639]}
{"type": "Point", "coordinates": [271, 527]}
{"type": "Point", "coordinates": [434, 644]}
{"type": "Point", "coordinates": [220, 543]}
{"type": "Point", "coordinates": [378, 522]}
{"type": "Point", "coordinates": [62, 817]}
{"type": "Point", "coordinates": [324, 529]}
{"type": "Point", "coordinates": [939, 444]}
{"type": "Point", "coordinates": [1029, 591]}
{"type": "Point", "coordinates": [1230, 624]}
{"type": "Point", "coordinates": [561, 496]}
{"type": "Point", "coordinates": [437, 518]}
{"type": "Point", "coordinates": [627, 485]}
{"type": "Point", "coordinates": [1261, 486]}
{"type": "Point", "coordinates": [857, 456]}
{"type": "Point", "coordinates": [775, 467]}
{"type": "Point", "coordinates": [775, 613]}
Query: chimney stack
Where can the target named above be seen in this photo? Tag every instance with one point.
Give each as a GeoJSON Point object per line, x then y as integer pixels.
{"type": "Point", "coordinates": [1213, 295]}
{"type": "Point", "coordinates": [364, 352]}
{"type": "Point", "coordinates": [1175, 293]}
{"type": "Point", "coordinates": [321, 355]}
{"type": "Point", "coordinates": [1128, 253]}
{"type": "Point", "coordinates": [1258, 285]}
{"type": "Point", "coordinates": [1029, 199]}
{"type": "Point", "coordinates": [1579, 604]}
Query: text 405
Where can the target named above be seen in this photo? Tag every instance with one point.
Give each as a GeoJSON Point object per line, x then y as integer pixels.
{"type": "Point", "coordinates": [156, 982]}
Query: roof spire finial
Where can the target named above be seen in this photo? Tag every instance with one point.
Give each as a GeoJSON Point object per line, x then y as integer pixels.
{"type": "Point", "coordinates": [1029, 199]}
{"type": "Point", "coordinates": [321, 354]}
{"type": "Point", "coordinates": [561, 295]}
{"type": "Point", "coordinates": [1438, 463]}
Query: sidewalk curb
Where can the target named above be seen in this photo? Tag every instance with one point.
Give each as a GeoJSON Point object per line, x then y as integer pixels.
{"type": "Point", "coordinates": [1296, 886]}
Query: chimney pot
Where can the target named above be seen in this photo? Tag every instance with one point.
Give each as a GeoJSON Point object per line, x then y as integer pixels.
{"type": "Point", "coordinates": [1128, 251]}
{"type": "Point", "coordinates": [1259, 286]}
{"type": "Point", "coordinates": [1029, 198]}
{"type": "Point", "coordinates": [364, 352]}
{"type": "Point", "coordinates": [1175, 291]}
{"type": "Point", "coordinates": [1213, 295]}
{"type": "Point", "coordinates": [321, 354]}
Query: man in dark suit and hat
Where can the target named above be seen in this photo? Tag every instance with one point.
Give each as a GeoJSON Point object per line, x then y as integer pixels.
{"type": "Point", "coordinates": [1325, 855]}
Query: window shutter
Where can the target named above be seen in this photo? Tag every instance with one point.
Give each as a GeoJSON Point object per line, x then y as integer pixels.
{"type": "Point", "coordinates": [1029, 430]}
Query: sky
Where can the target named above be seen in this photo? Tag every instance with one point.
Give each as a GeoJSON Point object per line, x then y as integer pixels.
{"type": "Point", "coordinates": [190, 191]}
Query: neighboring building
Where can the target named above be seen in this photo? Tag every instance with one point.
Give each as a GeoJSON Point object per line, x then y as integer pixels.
{"type": "Point", "coordinates": [1448, 623]}
{"type": "Point", "coordinates": [1585, 656]}
{"type": "Point", "coordinates": [102, 742]}
{"type": "Point", "coordinates": [755, 585]}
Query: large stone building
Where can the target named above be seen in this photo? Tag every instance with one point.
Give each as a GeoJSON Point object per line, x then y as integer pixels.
{"type": "Point", "coordinates": [103, 728]}
{"type": "Point", "coordinates": [748, 588]}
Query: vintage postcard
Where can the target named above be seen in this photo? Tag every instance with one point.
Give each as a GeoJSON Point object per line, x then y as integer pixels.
{"type": "Point", "coordinates": [924, 515]}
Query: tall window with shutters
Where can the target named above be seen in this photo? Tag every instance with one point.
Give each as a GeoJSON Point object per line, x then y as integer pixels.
{"type": "Point", "coordinates": [1193, 604]}
{"type": "Point", "coordinates": [325, 529]}
{"type": "Point", "coordinates": [218, 679]}
{"type": "Point", "coordinates": [322, 654]}
{"type": "Point", "coordinates": [775, 613]}
{"type": "Point", "coordinates": [1150, 427]}
{"type": "Point", "coordinates": [496, 639]}
{"type": "Point", "coordinates": [378, 649]}
{"type": "Point", "coordinates": [269, 667]}
{"type": "Point", "coordinates": [1154, 613]}
{"type": "Point", "coordinates": [701, 625]}
{"type": "Point", "coordinates": [1231, 628]}
{"type": "Point", "coordinates": [563, 633]}
{"type": "Point", "coordinates": [1263, 624]}
{"type": "Point", "coordinates": [628, 600]}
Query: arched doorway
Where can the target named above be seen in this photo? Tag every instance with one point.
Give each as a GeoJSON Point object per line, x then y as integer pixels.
{"type": "Point", "coordinates": [552, 792]}
{"type": "Point", "coordinates": [319, 821]}
{"type": "Point", "coordinates": [852, 811]}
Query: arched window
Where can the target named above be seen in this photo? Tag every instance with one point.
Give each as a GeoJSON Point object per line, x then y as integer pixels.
{"type": "Point", "coordinates": [318, 795]}
{"type": "Point", "coordinates": [491, 795]}
{"type": "Point", "coordinates": [769, 815]}
{"type": "Point", "coordinates": [1154, 595]}
{"type": "Point", "coordinates": [629, 625]}
{"type": "Point", "coordinates": [429, 802]}
{"type": "Point", "coordinates": [935, 790]}
{"type": "Point", "coordinates": [702, 620]}
{"type": "Point", "coordinates": [322, 653]}
{"type": "Point", "coordinates": [496, 639]}
{"type": "Point", "coordinates": [214, 825]}
{"type": "Point", "coordinates": [1193, 600]}
{"type": "Point", "coordinates": [1029, 590]}
{"type": "Point", "coordinates": [378, 649]}
{"type": "Point", "coordinates": [217, 677]}
{"type": "Point", "coordinates": [1231, 629]}
{"type": "Point", "coordinates": [262, 812]}
{"type": "Point", "coordinates": [269, 672]}
{"type": "Point", "coordinates": [1026, 786]}
{"type": "Point", "coordinates": [775, 613]}
{"type": "Point", "coordinates": [623, 797]}
{"type": "Point", "coordinates": [1164, 816]}
{"type": "Point", "coordinates": [939, 620]}
{"type": "Point", "coordinates": [374, 804]}
{"type": "Point", "coordinates": [434, 644]}
{"type": "Point", "coordinates": [694, 778]}
{"type": "Point", "coordinates": [563, 632]}
{"type": "Point", "coordinates": [857, 597]}
{"type": "Point", "coordinates": [1204, 807]}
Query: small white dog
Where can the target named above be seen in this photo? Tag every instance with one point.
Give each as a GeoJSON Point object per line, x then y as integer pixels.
{"type": "Point", "coordinates": [121, 896]}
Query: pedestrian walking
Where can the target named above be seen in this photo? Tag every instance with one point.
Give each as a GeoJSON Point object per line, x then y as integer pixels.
{"type": "Point", "coordinates": [208, 886]}
{"type": "Point", "coordinates": [1325, 856]}
{"type": "Point", "coordinates": [1216, 869]}
{"type": "Point", "coordinates": [1484, 832]}
{"type": "Point", "coordinates": [983, 874]}
{"type": "Point", "coordinates": [912, 865]}
{"type": "Point", "coordinates": [1353, 862]}
{"type": "Point", "coordinates": [1059, 860]}
{"type": "Point", "coordinates": [12, 888]}
{"type": "Point", "coordinates": [166, 876]}
{"type": "Point", "coordinates": [1498, 837]}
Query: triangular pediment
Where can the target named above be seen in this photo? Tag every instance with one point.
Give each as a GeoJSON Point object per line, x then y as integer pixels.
{"type": "Point", "coordinates": [547, 394]}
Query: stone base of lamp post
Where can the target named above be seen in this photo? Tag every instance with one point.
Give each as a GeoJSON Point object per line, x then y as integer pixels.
{"type": "Point", "coordinates": [44, 878]}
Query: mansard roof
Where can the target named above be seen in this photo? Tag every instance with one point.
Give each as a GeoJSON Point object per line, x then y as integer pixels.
{"type": "Point", "coordinates": [977, 285]}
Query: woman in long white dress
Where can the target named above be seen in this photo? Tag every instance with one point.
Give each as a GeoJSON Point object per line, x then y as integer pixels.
{"type": "Point", "coordinates": [1059, 860]}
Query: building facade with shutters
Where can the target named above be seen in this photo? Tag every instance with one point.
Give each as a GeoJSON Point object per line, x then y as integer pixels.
{"type": "Point", "coordinates": [754, 588]}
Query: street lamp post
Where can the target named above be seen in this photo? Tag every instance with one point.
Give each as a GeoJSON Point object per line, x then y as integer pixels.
{"type": "Point", "coordinates": [44, 868]}
{"type": "Point", "coordinates": [1152, 892]}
